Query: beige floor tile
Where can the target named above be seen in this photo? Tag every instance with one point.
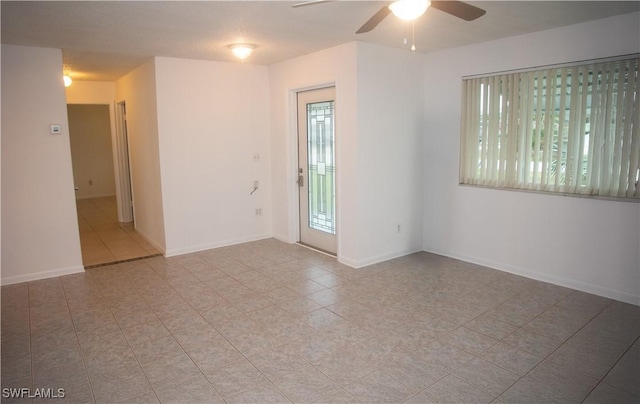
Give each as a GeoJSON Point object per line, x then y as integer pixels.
{"type": "Point", "coordinates": [378, 387]}
{"type": "Point", "coordinates": [487, 377]}
{"type": "Point", "coordinates": [194, 390]}
{"type": "Point", "coordinates": [103, 239]}
{"type": "Point", "coordinates": [625, 374]}
{"type": "Point", "coordinates": [339, 396]}
{"type": "Point", "coordinates": [213, 356]}
{"type": "Point", "coordinates": [157, 349]}
{"type": "Point", "coordinates": [603, 393]}
{"type": "Point", "coordinates": [564, 383]}
{"type": "Point", "coordinates": [265, 393]}
{"type": "Point", "coordinates": [414, 372]}
{"type": "Point", "coordinates": [278, 362]}
{"type": "Point", "coordinates": [531, 342]}
{"type": "Point", "coordinates": [236, 378]}
{"type": "Point", "coordinates": [511, 358]}
{"type": "Point", "coordinates": [271, 322]}
{"type": "Point", "coordinates": [452, 390]}
{"type": "Point", "coordinates": [469, 340]}
{"type": "Point", "coordinates": [305, 385]}
{"type": "Point", "coordinates": [117, 386]}
{"type": "Point", "coordinates": [170, 371]}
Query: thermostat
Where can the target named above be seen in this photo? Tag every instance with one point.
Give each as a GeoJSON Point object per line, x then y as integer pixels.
{"type": "Point", "coordinates": [55, 129]}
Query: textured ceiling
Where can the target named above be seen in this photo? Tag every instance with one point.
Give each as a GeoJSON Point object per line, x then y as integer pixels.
{"type": "Point", "coordinates": [104, 40]}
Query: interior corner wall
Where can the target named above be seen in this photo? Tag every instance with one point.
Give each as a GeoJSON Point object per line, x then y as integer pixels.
{"type": "Point", "coordinates": [138, 90]}
{"type": "Point", "coordinates": [389, 154]}
{"type": "Point", "coordinates": [587, 244]}
{"type": "Point", "coordinates": [40, 236]}
{"type": "Point", "coordinates": [213, 126]}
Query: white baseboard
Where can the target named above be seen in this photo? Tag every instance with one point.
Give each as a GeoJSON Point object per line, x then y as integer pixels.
{"type": "Point", "coordinates": [375, 259]}
{"type": "Point", "coordinates": [41, 275]}
{"type": "Point", "coordinates": [217, 244]}
{"type": "Point", "coordinates": [544, 277]}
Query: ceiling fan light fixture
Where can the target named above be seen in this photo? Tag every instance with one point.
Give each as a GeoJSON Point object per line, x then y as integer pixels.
{"type": "Point", "coordinates": [409, 9]}
{"type": "Point", "coordinates": [242, 50]}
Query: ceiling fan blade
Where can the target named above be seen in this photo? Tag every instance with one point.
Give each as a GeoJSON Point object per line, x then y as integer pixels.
{"type": "Point", "coordinates": [375, 20]}
{"type": "Point", "coordinates": [310, 3]}
{"type": "Point", "coordinates": [459, 9]}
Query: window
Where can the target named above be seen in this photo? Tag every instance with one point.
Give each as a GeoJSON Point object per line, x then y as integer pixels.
{"type": "Point", "coordinates": [571, 130]}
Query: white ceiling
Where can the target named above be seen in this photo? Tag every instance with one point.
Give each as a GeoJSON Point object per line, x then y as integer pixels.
{"type": "Point", "coordinates": [103, 40]}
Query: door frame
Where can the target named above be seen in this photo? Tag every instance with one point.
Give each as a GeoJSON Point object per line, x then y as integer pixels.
{"type": "Point", "coordinates": [292, 166]}
{"type": "Point", "coordinates": [122, 164]}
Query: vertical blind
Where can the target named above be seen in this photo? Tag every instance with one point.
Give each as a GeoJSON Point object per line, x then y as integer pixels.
{"type": "Point", "coordinates": [562, 129]}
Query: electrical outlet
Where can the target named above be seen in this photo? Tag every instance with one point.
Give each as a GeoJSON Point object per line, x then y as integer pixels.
{"type": "Point", "coordinates": [256, 157]}
{"type": "Point", "coordinates": [259, 212]}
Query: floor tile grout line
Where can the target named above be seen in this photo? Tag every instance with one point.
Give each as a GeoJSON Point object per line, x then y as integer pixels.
{"type": "Point", "coordinates": [171, 333]}
{"type": "Point", "coordinates": [101, 213]}
{"type": "Point", "coordinates": [557, 348]}
{"type": "Point", "coordinates": [111, 310]}
{"type": "Point", "coordinates": [230, 342]}
{"type": "Point", "coordinates": [129, 277]}
{"type": "Point", "coordinates": [611, 368]}
{"type": "Point", "coordinates": [75, 331]}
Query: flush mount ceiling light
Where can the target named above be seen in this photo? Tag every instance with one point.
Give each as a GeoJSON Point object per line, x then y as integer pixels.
{"type": "Point", "coordinates": [242, 50]}
{"type": "Point", "coordinates": [409, 9]}
{"type": "Point", "coordinates": [67, 80]}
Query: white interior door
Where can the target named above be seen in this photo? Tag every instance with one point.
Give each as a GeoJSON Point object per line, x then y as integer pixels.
{"type": "Point", "coordinates": [317, 168]}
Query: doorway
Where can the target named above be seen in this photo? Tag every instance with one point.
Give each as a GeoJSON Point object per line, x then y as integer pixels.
{"type": "Point", "coordinates": [317, 169]}
{"type": "Point", "coordinates": [99, 178]}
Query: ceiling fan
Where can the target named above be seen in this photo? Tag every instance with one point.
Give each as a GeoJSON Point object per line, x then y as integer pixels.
{"type": "Point", "coordinates": [412, 9]}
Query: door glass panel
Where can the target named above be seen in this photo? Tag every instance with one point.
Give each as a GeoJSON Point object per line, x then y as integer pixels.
{"type": "Point", "coordinates": [321, 169]}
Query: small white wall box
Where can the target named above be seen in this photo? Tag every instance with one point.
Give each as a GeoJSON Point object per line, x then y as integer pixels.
{"type": "Point", "coordinates": [55, 129]}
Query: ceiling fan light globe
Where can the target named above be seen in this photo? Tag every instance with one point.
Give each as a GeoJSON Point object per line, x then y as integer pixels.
{"type": "Point", "coordinates": [242, 50]}
{"type": "Point", "coordinates": [409, 9]}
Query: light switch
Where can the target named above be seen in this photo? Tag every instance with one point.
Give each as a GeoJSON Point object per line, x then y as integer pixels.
{"type": "Point", "coordinates": [55, 129]}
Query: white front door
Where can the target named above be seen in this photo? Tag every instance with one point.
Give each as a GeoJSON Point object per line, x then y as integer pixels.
{"type": "Point", "coordinates": [317, 168]}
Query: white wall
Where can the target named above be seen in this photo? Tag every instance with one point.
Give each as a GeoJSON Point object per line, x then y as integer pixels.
{"type": "Point", "coordinates": [213, 117]}
{"type": "Point", "coordinates": [587, 244]}
{"type": "Point", "coordinates": [138, 90]}
{"type": "Point", "coordinates": [390, 108]}
{"type": "Point", "coordinates": [378, 144]}
{"type": "Point", "coordinates": [40, 236]}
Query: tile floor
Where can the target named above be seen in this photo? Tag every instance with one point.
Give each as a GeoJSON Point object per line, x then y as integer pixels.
{"type": "Point", "coordinates": [267, 322]}
{"type": "Point", "coordinates": [102, 238]}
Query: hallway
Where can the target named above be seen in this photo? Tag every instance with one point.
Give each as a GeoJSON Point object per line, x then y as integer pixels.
{"type": "Point", "coordinates": [103, 239]}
